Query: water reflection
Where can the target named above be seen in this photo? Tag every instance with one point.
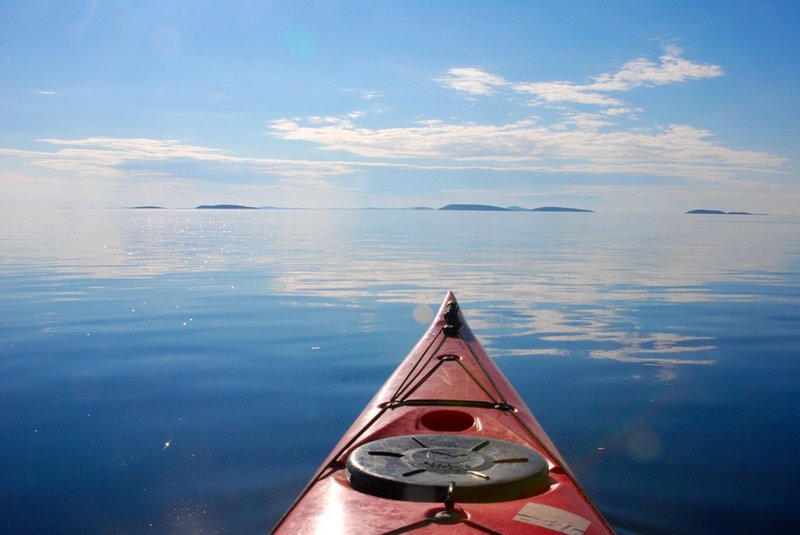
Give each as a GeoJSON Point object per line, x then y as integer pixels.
{"type": "Point", "coordinates": [150, 356]}
{"type": "Point", "coordinates": [535, 285]}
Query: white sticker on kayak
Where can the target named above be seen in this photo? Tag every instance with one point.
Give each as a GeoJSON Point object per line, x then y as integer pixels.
{"type": "Point", "coordinates": [552, 518]}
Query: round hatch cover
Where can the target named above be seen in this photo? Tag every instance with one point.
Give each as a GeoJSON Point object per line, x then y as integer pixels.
{"type": "Point", "coordinates": [422, 467]}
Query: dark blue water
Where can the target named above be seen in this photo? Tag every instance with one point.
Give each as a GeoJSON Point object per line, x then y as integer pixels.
{"type": "Point", "coordinates": [186, 371]}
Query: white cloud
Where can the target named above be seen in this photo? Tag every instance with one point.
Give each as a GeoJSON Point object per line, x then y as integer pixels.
{"type": "Point", "coordinates": [472, 80]}
{"type": "Point", "coordinates": [671, 68]}
{"type": "Point", "coordinates": [111, 157]}
{"type": "Point", "coordinates": [578, 144]}
{"type": "Point", "coordinates": [552, 92]}
{"type": "Point", "coordinates": [623, 110]}
{"type": "Point", "coordinates": [566, 141]}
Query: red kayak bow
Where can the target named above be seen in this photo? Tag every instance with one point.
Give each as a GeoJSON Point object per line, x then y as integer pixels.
{"type": "Point", "coordinates": [446, 446]}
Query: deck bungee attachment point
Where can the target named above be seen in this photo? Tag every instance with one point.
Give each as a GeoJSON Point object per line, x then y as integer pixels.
{"type": "Point", "coordinates": [445, 446]}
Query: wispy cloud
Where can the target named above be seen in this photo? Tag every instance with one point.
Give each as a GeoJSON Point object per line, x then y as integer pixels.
{"type": "Point", "coordinates": [582, 134]}
{"type": "Point", "coordinates": [472, 80]}
{"type": "Point", "coordinates": [576, 145]}
{"type": "Point", "coordinates": [46, 92]}
{"type": "Point", "coordinates": [553, 92]}
{"type": "Point", "coordinates": [113, 156]}
{"type": "Point", "coordinates": [577, 141]}
{"type": "Point", "coordinates": [670, 68]}
{"type": "Point", "coordinates": [79, 27]}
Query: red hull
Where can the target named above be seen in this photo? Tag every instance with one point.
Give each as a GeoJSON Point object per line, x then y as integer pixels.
{"type": "Point", "coordinates": [447, 388]}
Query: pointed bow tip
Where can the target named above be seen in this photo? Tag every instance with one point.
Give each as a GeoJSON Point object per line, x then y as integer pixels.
{"type": "Point", "coordinates": [450, 297]}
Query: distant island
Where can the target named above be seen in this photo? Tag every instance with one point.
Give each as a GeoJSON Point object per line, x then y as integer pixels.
{"type": "Point", "coordinates": [559, 209]}
{"type": "Point", "coordinates": [718, 212]}
{"type": "Point", "coordinates": [224, 207]}
{"type": "Point", "coordinates": [448, 207]}
{"type": "Point", "coordinates": [474, 207]}
{"type": "Point", "coordinates": [491, 208]}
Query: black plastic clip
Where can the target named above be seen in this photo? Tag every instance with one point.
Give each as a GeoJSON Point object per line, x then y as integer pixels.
{"type": "Point", "coordinates": [452, 322]}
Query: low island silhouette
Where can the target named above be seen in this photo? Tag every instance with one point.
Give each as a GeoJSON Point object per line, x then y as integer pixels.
{"type": "Point", "coordinates": [559, 209]}
{"type": "Point", "coordinates": [224, 207]}
{"type": "Point", "coordinates": [447, 207]}
{"type": "Point", "coordinates": [717, 212]}
{"type": "Point", "coordinates": [492, 208]}
{"type": "Point", "coordinates": [451, 207]}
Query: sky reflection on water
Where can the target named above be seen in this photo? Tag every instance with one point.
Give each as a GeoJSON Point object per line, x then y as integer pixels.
{"type": "Point", "coordinates": [569, 278]}
{"type": "Point", "coordinates": [124, 330]}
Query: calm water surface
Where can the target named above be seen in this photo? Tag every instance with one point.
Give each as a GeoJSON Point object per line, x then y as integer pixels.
{"type": "Point", "coordinates": [187, 371]}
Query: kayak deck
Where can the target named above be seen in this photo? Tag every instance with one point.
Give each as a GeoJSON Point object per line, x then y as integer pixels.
{"type": "Point", "coordinates": [445, 446]}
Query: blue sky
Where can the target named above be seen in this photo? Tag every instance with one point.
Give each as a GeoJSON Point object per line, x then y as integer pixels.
{"type": "Point", "coordinates": [635, 106]}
